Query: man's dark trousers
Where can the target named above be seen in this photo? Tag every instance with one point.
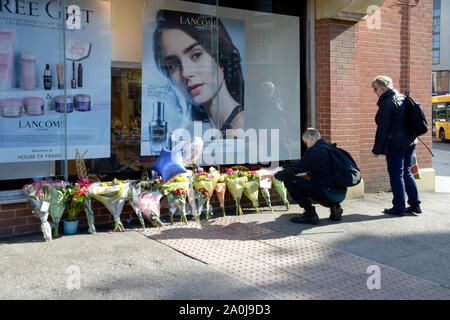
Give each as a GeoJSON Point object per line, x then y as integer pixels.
{"type": "Point", "coordinates": [303, 191]}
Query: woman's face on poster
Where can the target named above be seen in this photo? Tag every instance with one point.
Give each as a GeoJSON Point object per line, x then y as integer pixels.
{"type": "Point", "coordinates": [190, 67]}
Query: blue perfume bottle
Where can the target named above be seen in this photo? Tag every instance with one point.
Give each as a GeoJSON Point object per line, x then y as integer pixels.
{"type": "Point", "coordinates": [157, 128]}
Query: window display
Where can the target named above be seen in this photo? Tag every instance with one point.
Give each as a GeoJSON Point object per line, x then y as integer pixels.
{"type": "Point", "coordinates": [120, 80]}
{"type": "Point", "coordinates": [45, 121]}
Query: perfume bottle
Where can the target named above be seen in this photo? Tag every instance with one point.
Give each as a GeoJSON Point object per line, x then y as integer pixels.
{"type": "Point", "coordinates": [157, 128]}
{"type": "Point", "coordinates": [47, 78]}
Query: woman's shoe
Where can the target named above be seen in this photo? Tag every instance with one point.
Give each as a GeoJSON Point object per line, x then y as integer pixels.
{"type": "Point", "coordinates": [393, 212]}
{"type": "Point", "coordinates": [414, 209]}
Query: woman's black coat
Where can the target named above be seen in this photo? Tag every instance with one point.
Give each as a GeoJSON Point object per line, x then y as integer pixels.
{"type": "Point", "coordinates": [390, 118]}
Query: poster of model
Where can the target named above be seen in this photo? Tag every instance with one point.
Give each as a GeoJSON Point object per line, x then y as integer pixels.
{"type": "Point", "coordinates": [46, 100]}
{"type": "Point", "coordinates": [192, 77]}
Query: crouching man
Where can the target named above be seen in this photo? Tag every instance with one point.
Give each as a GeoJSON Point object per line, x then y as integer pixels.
{"type": "Point", "coordinates": [316, 163]}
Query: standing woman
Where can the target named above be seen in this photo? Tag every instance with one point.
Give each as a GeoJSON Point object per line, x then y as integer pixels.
{"type": "Point", "coordinates": [393, 141]}
{"type": "Point", "coordinates": [186, 50]}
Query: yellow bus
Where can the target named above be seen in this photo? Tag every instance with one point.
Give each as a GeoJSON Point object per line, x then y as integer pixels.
{"type": "Point", "coordinates": [441, 116]}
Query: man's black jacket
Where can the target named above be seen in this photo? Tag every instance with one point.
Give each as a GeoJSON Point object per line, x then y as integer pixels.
{"type": "Point", "coordinates": [391, 130]}
{"type": "Point", "coordinates": [316, 162]}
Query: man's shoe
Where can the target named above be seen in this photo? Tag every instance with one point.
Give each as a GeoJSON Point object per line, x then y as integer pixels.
{"type": "Point", "coordinates": [414, 209]}
{"type": "Point", "coordinates": [336, 212]}
{"type": "Point", "coordinates": [307, 220]}
{"type": "Point", "coordinates": [310, 217]}
{"type": "Point", "coordinates": [393, 212]}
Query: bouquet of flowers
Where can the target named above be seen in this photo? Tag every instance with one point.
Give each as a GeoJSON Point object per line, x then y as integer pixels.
{"type": "Point", "coordinates": [57, 204]}
{"type": "Point", "coordinates": [113, 196]}
{"type": "Point", "coordinates": [265, 184]}
{"type": "Point", "coordinates": [148, 201]}
{"type": "Point", "coordinates": [236, 181]}
{"type": "Point", "coordinates": [134, 191]}
{"type": "Point", "coordinates": [39, 197]}
{"type": "Point", "coordinates": [251, 188]}
{"type": "Point", "coordinates": [221, 186]}
{"type": "Point", "coordinates": [176, 190]}
{"type": "Point", "coordinates": [206, 181]}
{"type": "Point", "coordinates": [74, 200]}
{"type": "Point", "coordinates": [203, 197]}
{"type": "Point", "coordinates": [85, 182]}
{"type": "Point", "coordinates": [191, 196]}
{"type": "Point", "coordinates": [177, 197]}
{"type": "Point", "coordinates": [282, 191]}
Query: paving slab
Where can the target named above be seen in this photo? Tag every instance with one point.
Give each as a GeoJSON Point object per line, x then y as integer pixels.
{"type": "Point", "coordinates": [292, 268]}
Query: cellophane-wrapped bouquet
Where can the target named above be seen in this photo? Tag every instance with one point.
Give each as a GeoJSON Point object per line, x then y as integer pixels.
{"type": "Point", "coordinates": [191, 195]}
{"type": "Point", "coordinates": [87, 205]}
{"type": "Point", "coordinates": [282, 191]}
{"type": "Point", "coordinates": [236, 181]}
{"type": "Point", "coordinates": [176, 190]}
{"type": "Point", "coordinates": [177, 198]}
{"type": "Point", "coordinates": [251, 188]}
{"type": "Point", "coordinates": [265, 184]}
{"type": "Point", "coordinates": [207, 181]}
{"type": "Point", "coordinates": [134, 192]}
{"type": "Point", "coordinates": [148, 201]}
{"type": "Point", "coordinates": [221, 187]}
{"type": "Point", "coordinates": [57, 204]}
{"type": "Point", "coordinates": [113, 195]}
{"type": "Point", "coordinates": [203, 197]}
{"type": "Point", "coordinates": [39, 197]}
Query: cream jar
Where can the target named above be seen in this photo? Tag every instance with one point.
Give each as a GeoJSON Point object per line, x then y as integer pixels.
{"type": "Point", "coordinates": [34, 106]}
{"type": "Point", "coordinates": [82, 102]}
{"type": "Point", "coordinates": [60, 101]}
{"type": "Point", "coordinates": [11, 108]}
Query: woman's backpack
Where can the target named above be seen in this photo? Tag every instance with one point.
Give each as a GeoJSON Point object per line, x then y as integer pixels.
{"type": "Point", "coordinates": [415, 121]}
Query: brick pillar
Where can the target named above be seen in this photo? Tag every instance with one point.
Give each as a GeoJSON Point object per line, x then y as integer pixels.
{"type": "Point", "coordinates": [337, 79]}
{"type": "Point", "coordinates": [349, 55]}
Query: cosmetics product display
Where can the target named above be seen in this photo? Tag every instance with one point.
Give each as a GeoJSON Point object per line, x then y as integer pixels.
{"type": "Point", "coordinates": [34, 106]}
{"type": "Point", "coordinates": [82, 102]}
{"type": "Point", "coordinates": [6, 57]}
{"type": "Point", "coordinates": [158, 127]}
{"type": "Point", "coordinates": [80, 75]}
{"type": "Point", "coordinates": [64, 103]}
{"type": "Point", "coordinates": [28, 70]}
{"type": "Point", "coordinates": [11, 108]}
{"type": "Point", "coordinates": [60, 74]}
{"type": "Point", "coordinates": [47, 78]}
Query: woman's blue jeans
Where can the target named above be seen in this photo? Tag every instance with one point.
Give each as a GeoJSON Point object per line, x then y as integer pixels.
{"type": "Point", "coordinates": [399, 163]}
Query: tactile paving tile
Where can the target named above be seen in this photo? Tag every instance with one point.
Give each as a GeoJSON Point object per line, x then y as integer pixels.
{"type": "Point", "coordinates": [289, 267]}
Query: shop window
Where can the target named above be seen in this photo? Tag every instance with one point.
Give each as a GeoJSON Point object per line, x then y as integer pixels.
{"type": "Point", "coordinates": [84, 78]}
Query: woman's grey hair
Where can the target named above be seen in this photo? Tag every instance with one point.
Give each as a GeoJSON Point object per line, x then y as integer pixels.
{"type": "Point", "coordinates": [311, 132]}
{"type": "Point", "coordinates": [383, 82]}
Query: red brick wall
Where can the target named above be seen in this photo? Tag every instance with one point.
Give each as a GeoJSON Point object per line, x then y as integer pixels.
{"type": "Point", "coordinates": [349, 55]}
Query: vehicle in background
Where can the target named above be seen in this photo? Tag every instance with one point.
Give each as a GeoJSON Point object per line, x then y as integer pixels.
{"type": "Point", "coordinates": [441, 116]}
